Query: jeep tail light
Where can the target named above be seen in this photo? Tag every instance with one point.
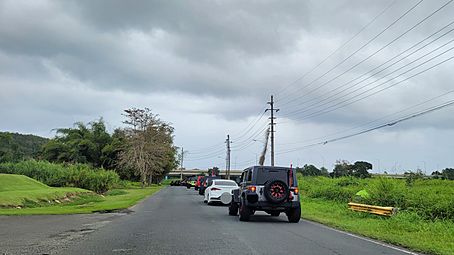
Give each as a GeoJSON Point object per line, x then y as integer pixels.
{"type": "Point", "coordinates": [295, 191]}
{"type": "Point", "coordinates": [252, 188]}
{"type": "Point", "coordinates": [214, 189]}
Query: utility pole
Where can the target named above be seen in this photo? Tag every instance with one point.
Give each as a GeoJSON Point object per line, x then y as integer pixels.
{"type": "Point", "coordinates": [272, 118]}
{"type": "Point", "coordinates": [227, 159]}
{"type": "Point", "coordinates": [181, 163]}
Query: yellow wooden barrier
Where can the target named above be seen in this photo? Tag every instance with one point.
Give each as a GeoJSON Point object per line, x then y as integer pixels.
{"type": "Point", "coordinates": [378, 210]}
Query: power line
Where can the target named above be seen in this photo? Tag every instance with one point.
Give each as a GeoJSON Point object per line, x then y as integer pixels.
{"type": "Point", "coordinates": [376, 52]}
{"type": "Point", "coordinates": [346, 102]}
{"type": "Point", "coordinates": [327, 101]}
{"type": "Point", "coordinates": [250, 140]}
{"type": "Point", "coordinates": [336, 50]}
{"type": "Point", "coordinates": [359, 49]}
{"type": "Point", "coordinates": [389, 66]}
{"type": "Point", "coordinates": [373, 121]}
{"type": "Point", "coordinates": [389, 124]}
{"type": "Point", "coordinates": [248, 128]}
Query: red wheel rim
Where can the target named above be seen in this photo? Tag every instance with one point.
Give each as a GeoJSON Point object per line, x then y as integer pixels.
{"type": "Point", "coordinates": [277, 190]}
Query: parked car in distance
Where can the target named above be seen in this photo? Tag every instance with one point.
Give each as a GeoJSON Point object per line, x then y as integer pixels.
{"type": "Point", "coordinates": [184, 182]}
{"type": "Point", "coordinates": [191, 182]}
{"type": "Point", "coordinates": [220, 191]}
{"type": "Point", "coordinates": [270, 189]}
{"type": "Point", "coordinates": [207, 181]}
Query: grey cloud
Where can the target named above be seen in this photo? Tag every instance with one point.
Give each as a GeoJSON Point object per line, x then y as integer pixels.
{"type": "Point", "coordinates": [66, 61]}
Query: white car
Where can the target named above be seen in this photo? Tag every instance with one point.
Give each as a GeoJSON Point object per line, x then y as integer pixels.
{"type": "Point", "coordinates": [220, 191]}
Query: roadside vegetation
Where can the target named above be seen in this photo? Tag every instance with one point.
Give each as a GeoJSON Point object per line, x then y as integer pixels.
{"type": "Point", "coordinates": [59, 175]}
{"type": "Point", "coordinates": [143, 150]}
{"type": "Point", "coordinates": [425, 221]}
{"type": "Point", "coordinates": [18, 191]}
{"type": "Point", "coordinates": [85, 168]}
{"type": "Point", "coordinates": [15, 147]}
{"type": "Point", "coordinates": [21, 195]}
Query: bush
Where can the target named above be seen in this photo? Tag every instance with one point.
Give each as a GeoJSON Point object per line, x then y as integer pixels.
{"type": "Point", "coordinates": [387, 192]}
{"type": "Point", "coordinates": [59, 175]}
{"type": "Point", "coordinates": [430, 199]}
{"type": "Point", "coordinates": [342, 189]}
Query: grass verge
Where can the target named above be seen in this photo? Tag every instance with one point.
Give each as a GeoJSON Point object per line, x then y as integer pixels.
{"type": "Point", "coordinates": [405, 229]}
{"type": "Point", "coordinates": [21, 195]}
{"type": "Point", "coordinates": [22, 191]}
{"type": "Point", "coordinates": [88, 203]}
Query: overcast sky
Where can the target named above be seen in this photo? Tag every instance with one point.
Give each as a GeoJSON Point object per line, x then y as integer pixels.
{"type": "Point", "coordinates": [209, 67]}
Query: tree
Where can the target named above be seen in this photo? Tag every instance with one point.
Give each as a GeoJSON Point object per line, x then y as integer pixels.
{"type": "Point", "coordinates": [84, 143]}
{"type": "Point", "coordinates": [7, 149]}
{"type": "Point", "coordinates": [309, 170]}
{"type": "Point", "coordinates": [341, 168]}
{"type": "Point", "coordinates": [214, 171]}
{"type": "Point", "coordinates": [411, 177]}
{"type": "Point", "coordinates": [148, 145]}
{"type": "Point", "coordinates": [324, 171]}
{"type": "Point", "coordinates": [15, 147]}
{"type": "Point", "coordinates": [360, 169]}
{"type": "Point", "coordinates": [436, 174]}
{"type": "Point", "coordinates": [448, 173]}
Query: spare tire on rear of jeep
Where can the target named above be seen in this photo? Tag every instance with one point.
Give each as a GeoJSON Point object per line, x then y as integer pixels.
{"type": "Point", "coordinates": [276, 191]}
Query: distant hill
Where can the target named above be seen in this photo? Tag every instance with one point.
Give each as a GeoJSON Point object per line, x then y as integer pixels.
{"type": "Point", "coordinates": [15, 147]}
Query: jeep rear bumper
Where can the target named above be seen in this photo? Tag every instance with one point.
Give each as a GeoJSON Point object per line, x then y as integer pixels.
{"type": "Point", "coordinates": [267, 206]}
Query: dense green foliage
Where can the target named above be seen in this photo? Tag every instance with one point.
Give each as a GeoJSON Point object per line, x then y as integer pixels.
{"type": "Point", "coordinates": [214, 171]}
{"type": "Point", "coordinates": [86, 144]}
{"type": "Point", "coordinates": [59, 175]}
{"type": "Point", "coordinates": [16, 147]}
{"type": "Point", "coordinates": [143, 150]}
{"type": "Point", "coordinates": [311, 170]}
{"type": "Point", "coordinates": [358, 169]}
{"type": "Point", "coordinates": [448, 173]}
{"type": "Point", "coordinates": [89, 144]}
{"type": "Point", "coordinates": [428, 198]}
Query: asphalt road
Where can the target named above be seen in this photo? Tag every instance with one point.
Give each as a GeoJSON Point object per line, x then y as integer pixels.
{"type": "Point", "coordinates": [176, 221]}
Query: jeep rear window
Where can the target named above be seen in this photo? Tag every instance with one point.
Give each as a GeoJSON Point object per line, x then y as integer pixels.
{"type": "Point", "coordinates": [264, 175]}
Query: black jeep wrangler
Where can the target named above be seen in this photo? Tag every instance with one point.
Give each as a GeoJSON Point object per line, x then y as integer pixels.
{"type": "Point", "coordinates": [270, 189]}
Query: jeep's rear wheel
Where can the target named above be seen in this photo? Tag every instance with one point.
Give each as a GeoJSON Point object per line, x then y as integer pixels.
{"type": "Point", "coordinates": [233, 209]}
{"type": "Point", "coordinates": [244, 212]}
{"type": "Point", "coordinates": [294, 215]}
{"type": "Point", "coordinates": [276, 191]}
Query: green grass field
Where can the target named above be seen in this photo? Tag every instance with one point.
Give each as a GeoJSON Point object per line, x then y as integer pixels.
{"type": "Point", "coordinates": [408, 228]}
{"type": "Point", "coordinates": [18, 190]}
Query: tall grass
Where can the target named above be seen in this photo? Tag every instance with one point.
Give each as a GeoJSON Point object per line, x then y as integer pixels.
{"type": "Point", "coordinates": [59, 175]}
{"type": "Point", "coordinates": [431, 199]}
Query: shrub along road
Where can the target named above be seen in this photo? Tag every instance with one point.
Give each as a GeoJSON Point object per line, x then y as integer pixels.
{"type": "Point", "coordinates": [176, 221]}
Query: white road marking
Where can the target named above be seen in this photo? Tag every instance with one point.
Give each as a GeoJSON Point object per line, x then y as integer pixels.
{"type": "Point", "coordinates": [364, 238]}
{"type": "Point", "coordinates": [121, 250]}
